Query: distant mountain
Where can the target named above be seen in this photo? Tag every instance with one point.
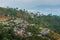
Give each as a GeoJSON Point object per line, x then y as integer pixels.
{"type": "Point", "coordinates": [47, 9]}
{"type": "Point", "coordinates": [47, 6]}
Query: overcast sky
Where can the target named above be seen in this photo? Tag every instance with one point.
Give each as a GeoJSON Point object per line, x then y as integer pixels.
{"type": "Point", "coordinates": [34, 5]}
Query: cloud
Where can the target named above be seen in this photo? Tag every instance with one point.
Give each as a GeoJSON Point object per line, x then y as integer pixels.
{"type": "Point", "coordinates": [28, 3]}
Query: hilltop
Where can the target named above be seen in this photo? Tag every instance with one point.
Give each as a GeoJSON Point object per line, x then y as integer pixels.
{"type": "Point", "coordinates": [14, 17]}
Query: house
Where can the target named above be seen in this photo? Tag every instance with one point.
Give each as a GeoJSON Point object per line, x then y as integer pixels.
{"type": "Point", "coordinates": [31, 24]}
{"type": "Point", "coordinates": [44, 31]}
{"type": "Point", "coordinates": [29, 34]}
{"type": "Point", "coordinates": [41, 28]}
{"type": "Point", "coordinates": [18, 32]}
{"type": "Point", "coordinates": [5, 23]}
{"type": "Point", "coordinates": [24, 24]}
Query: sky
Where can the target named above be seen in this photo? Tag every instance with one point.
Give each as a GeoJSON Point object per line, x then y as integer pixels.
{"type": "Point", "coordinates": [43, 6]}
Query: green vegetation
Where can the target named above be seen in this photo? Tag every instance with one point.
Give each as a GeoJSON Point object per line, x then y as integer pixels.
{"type": "Point", "coordinates": [45, 21]}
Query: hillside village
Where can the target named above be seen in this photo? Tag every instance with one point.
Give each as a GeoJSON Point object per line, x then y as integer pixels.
{"type": "Point", "coordinates": [22, 24]}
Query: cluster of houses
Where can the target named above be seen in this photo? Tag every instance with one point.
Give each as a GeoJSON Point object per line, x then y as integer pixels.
{"type": "Point", "coordinates": [23, 24]}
